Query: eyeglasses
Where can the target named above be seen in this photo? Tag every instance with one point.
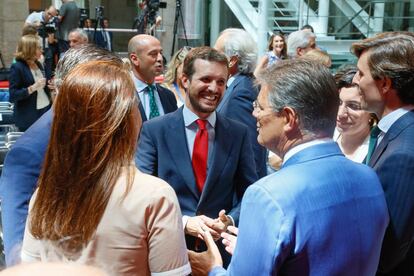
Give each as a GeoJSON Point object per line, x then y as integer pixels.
{"type": "Point", "coordinates": [351, 106]}
{"type": "Point", "coordinates": [258, 108]}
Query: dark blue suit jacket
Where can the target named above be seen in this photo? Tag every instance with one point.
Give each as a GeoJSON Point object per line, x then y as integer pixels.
{"type": "Point", "coordinates": [100, 40]}
{"type": "Point", "coordinates": [168, 101]}
{"type": "Point", "coordinates": [163, 152]}
{"type": "Point", "coordinates": [19, 180]}
{"type": "Point", "coordinates": [25, 112]}
{"type": "Point", "coordinates": [320, 214]}
{"type": "Point", "coordinates": [393, 160]}
{"type": "Point", "coordinates": [237, 104]}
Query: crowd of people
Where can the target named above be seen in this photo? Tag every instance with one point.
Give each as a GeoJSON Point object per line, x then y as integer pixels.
{"type": "Point", "coordinates": [228, 167]}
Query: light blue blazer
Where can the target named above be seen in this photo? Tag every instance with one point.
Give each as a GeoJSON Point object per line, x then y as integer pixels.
{"type": "Point", "coordinates": [321, 214]}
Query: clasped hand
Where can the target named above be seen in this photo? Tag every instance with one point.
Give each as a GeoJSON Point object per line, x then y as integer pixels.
{"type": "Point", "coordinates": [202, 263]}
{"type": "Point", "coordinates": [196, 226]}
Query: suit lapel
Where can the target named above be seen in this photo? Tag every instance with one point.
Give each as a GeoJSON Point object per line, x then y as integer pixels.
{"type": "Point", "coordinates": [395, 129]}
{"type": "Point", "coordinates": [177, 146]}
{"type": "Point", "coordinates": [142, 111]}
{"type": "Point", "coordinates": [378, 151]}
{"type": "Point", "coordinates": [166, 104]}
{"type": "Point", "coordinates": [221, 152]}
{"type": "Point", "coordinates": [228, 93]}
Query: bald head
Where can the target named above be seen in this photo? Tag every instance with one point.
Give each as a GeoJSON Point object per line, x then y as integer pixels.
{"type": "Point", "coordinates": [145, 53]}
{"type": "Point", "coordinates": [137, 42]}
{"type": "Point", "coordinates": [51, 269]}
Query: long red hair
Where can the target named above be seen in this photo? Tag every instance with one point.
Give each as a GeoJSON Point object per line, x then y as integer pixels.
{"type": "Point", "coordinates": [93, 138]}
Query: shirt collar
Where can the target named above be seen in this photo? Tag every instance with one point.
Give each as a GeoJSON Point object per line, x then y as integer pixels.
{"type": "Point", "coordinates": [231, 79]}
{"type": "Point", "coordinates": [387, 121]}
{"type": "Point", "coordinates": [303, 146]}
{"type": "Point", "coordinates": [190, 117]}
{"type": "Point", "coordinates": [139, 84]}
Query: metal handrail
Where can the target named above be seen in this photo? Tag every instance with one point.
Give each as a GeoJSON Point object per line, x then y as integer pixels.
{"type": "Point", "coordinates": [353, 17]}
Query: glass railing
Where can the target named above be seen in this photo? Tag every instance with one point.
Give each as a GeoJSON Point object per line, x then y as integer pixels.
{"type": "Point", "coordinates": [343, 19]}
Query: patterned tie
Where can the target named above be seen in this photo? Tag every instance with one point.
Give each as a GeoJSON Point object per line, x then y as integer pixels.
{"type": "Point", "coordinates": [153, 105]}
{"type": "Point", "coordinates": [200, 154]}
{"type": "Point", "coordinates": [373, 138]}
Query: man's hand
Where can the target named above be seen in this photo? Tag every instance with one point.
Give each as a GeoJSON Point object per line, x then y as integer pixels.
{"type": "Point", "coordinates": [230, 239]}
{"type": "Point", "coordinates": [220, 224]}
{"type": "Point", "coordinates": [197, 225]}
{"type": "Point", "coordinates": [202, 263]}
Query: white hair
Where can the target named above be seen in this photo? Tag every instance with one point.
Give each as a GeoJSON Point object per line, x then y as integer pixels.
{"type": "Point", "coordinates": [240, 43]}
{"type": "Point", "coordinates": [298, 39]}
{"type": "Point", "coordinates": [81, 33]}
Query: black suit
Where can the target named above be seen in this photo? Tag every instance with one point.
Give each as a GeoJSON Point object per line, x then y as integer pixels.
{"type": "Point", "coordinates": [168, 102]}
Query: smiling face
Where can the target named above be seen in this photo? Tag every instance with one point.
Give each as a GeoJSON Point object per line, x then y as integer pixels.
{"type": "Point", "coordinates": [278, 44]}
{"type": "Point", "coordinates": [269, 123]}
{"type": "Point", "coordinates": [206, 87]}
{"type": "Point", "coordinates": [351, 118]}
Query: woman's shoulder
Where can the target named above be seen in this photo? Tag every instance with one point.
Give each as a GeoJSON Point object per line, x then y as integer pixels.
{"type": "Point", "coordinates": [19, 63]}
{"type": "Point", "coordinates": [147, 186]}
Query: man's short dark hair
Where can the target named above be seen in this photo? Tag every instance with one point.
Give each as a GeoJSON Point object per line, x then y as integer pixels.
{"type": "Point", "coordinates": [307, 87]}
{"type": "Point", "coordinates": [391, 55]}
{"type": "Point", "coordinates": [204, 53]}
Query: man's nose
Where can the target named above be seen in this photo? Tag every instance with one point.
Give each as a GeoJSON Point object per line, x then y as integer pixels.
{"type": "Point", "coordinates": [159, 58]}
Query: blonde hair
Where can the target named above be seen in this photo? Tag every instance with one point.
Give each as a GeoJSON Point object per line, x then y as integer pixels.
{"type": "Point", "coordinates": [318, 56]}
{"type": "Point", "coordinates": [176, 61]}
{"type": "Point", "coordinates": [27, 46]}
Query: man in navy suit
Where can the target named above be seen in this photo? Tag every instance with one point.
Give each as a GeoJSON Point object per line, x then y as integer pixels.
{"type": "Point", "coordinates": [240, 49]}
{"type": "Point", "coordinates": [145, 53]}
{"type": "Point", "coordinates": [320, 214]}
{"type": "Point", "coordinates": [102, 37]}
{"type": "Point", "coordinates": [386, 79]}
{"type": "Point", "coordinates": [24, 161]}
{"type": "Point", "coordinates": [169, 148]}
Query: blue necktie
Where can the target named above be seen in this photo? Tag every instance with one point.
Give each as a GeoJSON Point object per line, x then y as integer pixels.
{"type": "Point", "coordinates": [154, 112]}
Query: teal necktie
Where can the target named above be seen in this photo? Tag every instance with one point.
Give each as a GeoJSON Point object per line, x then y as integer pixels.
{"type": "Point", "coordinates": [373, 138]}
{"type": "Point", "coordinates": [154, 112]}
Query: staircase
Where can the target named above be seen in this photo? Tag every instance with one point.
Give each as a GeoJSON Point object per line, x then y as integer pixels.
{"type": "Point", "coordinates": [287, 15]}
{"type": "Point", "coordinates": [290, 15]}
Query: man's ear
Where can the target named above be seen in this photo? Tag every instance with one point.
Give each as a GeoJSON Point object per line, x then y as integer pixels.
{"type": "Point", "coordinates": [291, 120]}
{"type": "Point", "coordinates": [384, 85]}
{"type": "Point", "coordinates": [233, 61]}
{"type": "Point", "coordinates": [185, 81]}
{"type": "Point", "coordinates": [299, 52]}
{"type": "Point", "coordinates": [134, 59]}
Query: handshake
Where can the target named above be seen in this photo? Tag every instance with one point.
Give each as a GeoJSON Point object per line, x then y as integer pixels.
{"type": "Point", "coordinates": [196, 226]}
{"type": "Point", "coordinates": [39, 84]}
